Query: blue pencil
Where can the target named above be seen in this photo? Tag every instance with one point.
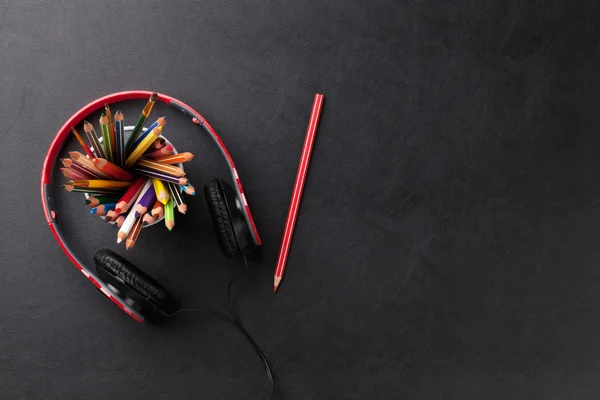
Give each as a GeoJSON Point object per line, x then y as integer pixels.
{"type": "Point", "coordinates": [188, 189]}
{"type": "Point", "coordinates": [102, 209]}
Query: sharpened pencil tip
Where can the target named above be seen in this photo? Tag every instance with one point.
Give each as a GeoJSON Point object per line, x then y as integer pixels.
{"type": "Point", "coordinates": [170, 229]}
{"type": "Point", "coordinates": [153, 97]}
{"type": "Point", "coordinates": [93, 211]}
{"type": "Point", "coordinates": [274, 288]}
{"type": "Point", "coordinates": [119, 240]}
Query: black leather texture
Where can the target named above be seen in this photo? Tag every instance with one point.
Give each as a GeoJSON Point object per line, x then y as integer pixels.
{"type": "Point", "coordinates": [221, 219]}
{"type": "Point", "coordinates": [447, 244]}
{"type": "Point", "coordinates": [132, 276]}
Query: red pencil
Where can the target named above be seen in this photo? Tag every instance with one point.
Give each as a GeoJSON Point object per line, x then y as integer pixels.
{"type": "Point", "coordinates": [298, 187]}
{"type": "Point", "coordinates": [113, 170]}
{"type": "Point", "coordinates": [130, 195]}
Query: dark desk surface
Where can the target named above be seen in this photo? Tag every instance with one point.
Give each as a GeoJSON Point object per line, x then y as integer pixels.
{"type": "Point", "coordinates": [448, 245]}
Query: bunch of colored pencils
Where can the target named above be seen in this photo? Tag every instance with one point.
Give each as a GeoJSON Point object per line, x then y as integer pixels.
{"type": "Point", "coordinates": [130, 183]}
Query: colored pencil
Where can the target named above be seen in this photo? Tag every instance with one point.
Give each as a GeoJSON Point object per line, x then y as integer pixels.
{"type": "Point", "coordinates": [162, 152]}
{"type": "Point", "coordinates": [125, 202]}
{"type": "Point", "coordinates": [111, 215]}
{"type": "Point", "coordinates": [311, 132]}
{"type": "Point", "coordinates": [146, 201]}
{"type": "Point", "coordinates": [188, 189]}
{"type": "Point", "coordinates": [113, 170]}
{"type": "Point", "coordinates": [72, 174]}
{"type": "Point", "coordinates": [141, 148]}
{"type": "Point", "coordinates": [162, 194]}
{"type": "Point", "coordinates": [161, 168]}
{"type": "Point", "coordinates": [157, 210]}
{"type": "Point", "coordinates": [120, 138]}
{"type": "Point", "coordinates": [159, 122]}
{"type": "Point", "coordinates": [84, 146]}
{"type": "Point", "coordinates": [111, 126]}
{"type": "Point", "coordinates": [175, 158]}
{"type": "Point", "coordinates": [147, 219]}
{"type": "Point", "coordinates": [94, 201]}
{"type": "Point", "coordinates": [119, 221]}
{"type": "Point", "coordinates": [83, 160]}
{"type": "Point", "coordinates": [167, 178]}
{"type": "Point", "coordinates": [107, 138]}
{"type": "Point", "coordinates": [102, 184]}
{"type": "Point", "coordinates": [169, 215]}
{"type": "Point", "coordinates": [157, 144]}
{"type": "Point", "coordinates": [72, 188]}
{"type": "Point", "coordinates": [176, 196]}
{"type": "Point", "coordinates": [134, 233]}
{"type": "Point", "coordinates": [128, 223]}
{"type": "Point", "coordinates": [93, 139]}
{"type": "Point", "coordinates": [140, 123]}
{"type": "Point", "coordinates": [102, 209]}
{"type": "Point", "coordinates": [68, 163]}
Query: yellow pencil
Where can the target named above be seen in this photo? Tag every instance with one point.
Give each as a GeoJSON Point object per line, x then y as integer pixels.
{"type": "Point", "coordinates": [143, 146]}
{"type": "Point", "coordinates": [161, 191]}
{"type": "Point", "coordinates": [97, 183]}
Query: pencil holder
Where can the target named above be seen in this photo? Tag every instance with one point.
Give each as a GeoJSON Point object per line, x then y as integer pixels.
{"type": "Point", "coordinates": [128, 130]}
{"type": "Point", "coordinates": [131, 176]}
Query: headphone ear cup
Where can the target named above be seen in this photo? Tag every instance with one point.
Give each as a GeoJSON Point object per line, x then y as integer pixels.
{"type": "Point", "coordinates": [139, 287]}
{"type": "Point", "coordinates": [215, 198]}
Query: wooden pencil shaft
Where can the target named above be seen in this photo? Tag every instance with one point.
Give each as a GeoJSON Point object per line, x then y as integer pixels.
{"type": "Point", "coordinates": [143, 146]}
{"type": "Point", "coordinates": [165, 169]}
{"type": "Point", "coordinates": [106, 138]}
{"type": "Point", "coordinates": [100, 183]}
{"type": "Point", "coordinates": [140, 123]}
{"type": "Point", "coordinates": [93, 138]}
{"type": "Point", "coordinates": [164, 177]}
{"type": "Point", "coordinates": [174, 192]}
{"type": "Point", "coordinates": [175, 158]}
{"type": "Point", "coordinates": [93, 190]}
{"type": "Point", "coordinates": [298, 187]}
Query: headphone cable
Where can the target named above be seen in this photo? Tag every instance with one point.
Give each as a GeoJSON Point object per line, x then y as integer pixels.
{"type": "Point", "coordinates": [236, 322]}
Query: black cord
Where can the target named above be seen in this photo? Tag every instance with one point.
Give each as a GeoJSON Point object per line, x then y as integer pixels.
{"type": "Point", "coordinates": [236, 322]}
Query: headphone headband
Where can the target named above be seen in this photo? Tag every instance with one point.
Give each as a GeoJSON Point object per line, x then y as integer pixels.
{"type": "Point", "coordinates": [78, 117]}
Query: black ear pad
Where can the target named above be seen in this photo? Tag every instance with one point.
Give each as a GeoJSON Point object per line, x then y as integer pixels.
{"type": "Point", "coordinates": [133, 284]}
{"type": "Point", "coordinates": [222, 219]}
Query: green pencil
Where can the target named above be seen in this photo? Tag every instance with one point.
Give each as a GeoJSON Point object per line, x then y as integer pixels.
{"type": "Point", "coordinates": [140, 124]}
{"type": "Point", "coordinates": [107, 138]}
{"type": "Point", "coordinates": [169, 214]}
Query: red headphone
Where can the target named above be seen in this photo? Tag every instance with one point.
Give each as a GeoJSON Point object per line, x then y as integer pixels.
{"type": "Point", "coordinates": [128, 287]}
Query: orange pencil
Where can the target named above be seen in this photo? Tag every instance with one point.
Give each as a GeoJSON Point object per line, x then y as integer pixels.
{"type": "Point", "coordinates": [113, 170]}
{"type": "Point", "coordinates": [85, 147]}
{"type": "Point", "coordinates": [134, 233]}
{"type": "Point", "coordinates": [175, 158]}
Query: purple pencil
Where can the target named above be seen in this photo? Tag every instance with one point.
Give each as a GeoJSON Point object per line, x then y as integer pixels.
{"type": "Point", "coordinates": [163, 177]}
{"type": "Point", "coordinates": [146, 201]}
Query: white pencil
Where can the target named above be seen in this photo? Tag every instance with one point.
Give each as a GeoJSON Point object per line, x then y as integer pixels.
{"type": "Point", "coordinates": [130, 219]}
